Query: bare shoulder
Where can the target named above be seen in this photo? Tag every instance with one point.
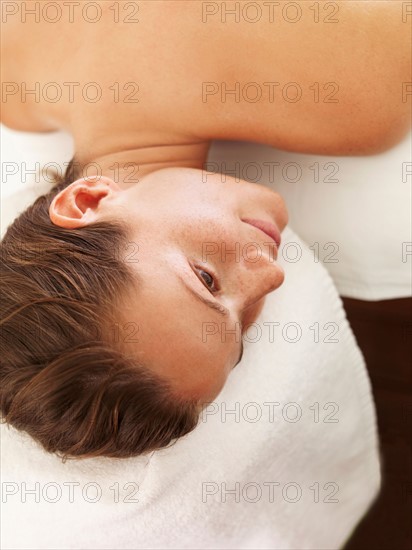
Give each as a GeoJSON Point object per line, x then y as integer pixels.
{"type": "Point", "coordinates": [29, 45]}
{"type": "Point", "coordinates": [330, 78]}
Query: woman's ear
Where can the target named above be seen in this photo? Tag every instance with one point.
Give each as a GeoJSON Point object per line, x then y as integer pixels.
{"type": "Point", "coordinates": [78, 204]}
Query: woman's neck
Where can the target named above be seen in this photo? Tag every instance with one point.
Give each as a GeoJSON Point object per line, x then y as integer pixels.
{"type": "Point", "coordinates": [127, 164]}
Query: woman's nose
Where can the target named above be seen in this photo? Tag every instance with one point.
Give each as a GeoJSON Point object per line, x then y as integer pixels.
{"type": "Point", "coordinates": [259, 278]}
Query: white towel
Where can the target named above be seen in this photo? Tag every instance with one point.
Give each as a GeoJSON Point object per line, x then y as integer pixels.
{"type": "Point", "coordinates": [295, 468]}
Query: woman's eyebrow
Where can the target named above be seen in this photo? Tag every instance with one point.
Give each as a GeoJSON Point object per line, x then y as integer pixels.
{"type": "Point", "coordinates": [213, 305]}
{"type": "Point", "coordinates": [210, 303]}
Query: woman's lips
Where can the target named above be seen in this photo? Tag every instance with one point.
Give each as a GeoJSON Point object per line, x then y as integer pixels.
{"type": "Point", "coordinates": [270, 229]}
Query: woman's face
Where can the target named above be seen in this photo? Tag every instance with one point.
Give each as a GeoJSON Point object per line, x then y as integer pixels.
{"type": "Point", "coordinates": [202, 271]}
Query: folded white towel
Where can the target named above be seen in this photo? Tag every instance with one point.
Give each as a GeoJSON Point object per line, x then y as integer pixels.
{"type": "Point", "coordinates": [295, 466]}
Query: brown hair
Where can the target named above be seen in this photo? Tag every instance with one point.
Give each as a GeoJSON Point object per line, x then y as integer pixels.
{"type": "Point", "coordinates": [65, 381]}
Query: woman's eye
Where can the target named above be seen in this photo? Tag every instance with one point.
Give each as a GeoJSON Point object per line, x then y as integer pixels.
{"type": "Point", "coordinates": [208, 280]}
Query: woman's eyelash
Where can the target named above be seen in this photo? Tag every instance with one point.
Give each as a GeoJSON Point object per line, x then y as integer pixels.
{"type": "Point", "coordinates": [209, 281]}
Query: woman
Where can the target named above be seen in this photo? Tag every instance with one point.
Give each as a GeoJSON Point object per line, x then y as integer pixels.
{"type": "Point", "coordinates": [123, 307]}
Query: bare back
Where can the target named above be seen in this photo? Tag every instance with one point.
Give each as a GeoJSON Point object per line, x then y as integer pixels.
{"type": "Point", "coordinates": [331, 82]}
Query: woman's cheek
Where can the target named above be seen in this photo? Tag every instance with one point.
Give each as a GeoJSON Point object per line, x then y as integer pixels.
{"type": "Point", "coordinates": [252, 313]}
